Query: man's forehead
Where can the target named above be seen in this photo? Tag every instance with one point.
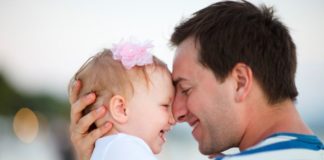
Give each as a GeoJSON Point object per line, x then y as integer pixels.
{"type": "Point", "coordinates": [181, 71]}
{"type": "Point", "coordinates": [185, 61]}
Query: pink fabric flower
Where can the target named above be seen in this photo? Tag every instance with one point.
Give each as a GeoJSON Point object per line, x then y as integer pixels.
{"type": "Point", "coordinates": [132, 53]}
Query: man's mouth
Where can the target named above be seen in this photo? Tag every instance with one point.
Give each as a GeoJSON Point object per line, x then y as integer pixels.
{"type": "Point", "coordinates": [194, 124]}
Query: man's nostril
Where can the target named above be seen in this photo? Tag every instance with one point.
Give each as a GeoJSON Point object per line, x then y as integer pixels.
{"type": "Point", "coordinates": [181, 118]}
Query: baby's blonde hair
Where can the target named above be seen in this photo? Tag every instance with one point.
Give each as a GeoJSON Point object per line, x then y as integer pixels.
{"type": "Point", "coordinates": [106, 77]}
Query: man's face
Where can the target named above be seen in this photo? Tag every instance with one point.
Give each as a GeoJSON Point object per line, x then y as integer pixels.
{"type": "Point", "coordinates": [204, 102]}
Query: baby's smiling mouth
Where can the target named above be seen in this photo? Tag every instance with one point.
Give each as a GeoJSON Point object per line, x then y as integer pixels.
{"type": "Point", "coordinates": [163, 133]}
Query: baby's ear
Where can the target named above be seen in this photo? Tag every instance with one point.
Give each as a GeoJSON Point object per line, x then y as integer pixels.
{"type": "Point", "coordinates": [117, 109]}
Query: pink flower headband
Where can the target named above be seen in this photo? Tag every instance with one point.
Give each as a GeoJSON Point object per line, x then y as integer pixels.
{"type": "Point", "coordinates": [132, 53]}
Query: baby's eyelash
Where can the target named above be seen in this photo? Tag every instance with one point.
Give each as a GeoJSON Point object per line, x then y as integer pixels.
{"type": "Point", "coordinates": [166, 105]}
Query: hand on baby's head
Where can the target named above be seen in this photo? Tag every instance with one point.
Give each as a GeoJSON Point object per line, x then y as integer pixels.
{"type": "Point", "coordinates": [136, 89]}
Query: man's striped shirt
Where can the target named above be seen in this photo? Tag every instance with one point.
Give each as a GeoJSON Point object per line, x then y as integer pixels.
{"type": "Point", "coordinates": [283, 146]}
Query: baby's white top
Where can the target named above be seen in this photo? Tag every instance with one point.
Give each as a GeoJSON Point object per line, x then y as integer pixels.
{"type": "Point", "coordinates": [121, 147]}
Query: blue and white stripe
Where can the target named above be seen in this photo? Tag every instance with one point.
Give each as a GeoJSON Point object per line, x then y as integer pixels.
{"type": "Point", "coordinates": [283, 146]}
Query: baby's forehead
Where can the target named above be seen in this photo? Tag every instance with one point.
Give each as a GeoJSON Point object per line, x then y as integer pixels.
{"type": "Point", "coordinates": [156, 86]}
{"type": "Point", "coordinates": [148, 73]}
{"type": "Point", "coordinates": [151, 77]}
{"type": "Point", "coordinates": [162, 81]}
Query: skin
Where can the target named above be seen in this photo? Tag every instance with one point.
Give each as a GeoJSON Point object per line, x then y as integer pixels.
{"type": "Point", "coordinates": [80, 137]}
{"type": "Point", "coordinates": [226, 114]}
{"type": "Point", "coordinates": [232, 113]}
{"type": "Point", "coordinates": [151, 102]}
{"type": "Point", "coordinates": [150, 108]}
{"type": "Point", "coordinates": [205, 103]}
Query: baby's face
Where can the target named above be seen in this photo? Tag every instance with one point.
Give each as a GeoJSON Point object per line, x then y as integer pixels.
{"type": "Point", "coordinates": [150, 114]}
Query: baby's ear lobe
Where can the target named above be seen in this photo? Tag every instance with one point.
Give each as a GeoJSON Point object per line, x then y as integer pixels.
{"type": "Point", "coordinates": [117, 109]}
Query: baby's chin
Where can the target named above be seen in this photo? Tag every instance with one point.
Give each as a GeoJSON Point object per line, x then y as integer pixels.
{"type": "Point", "coordinates": [157, 149]}
{"type": "Point", "coordinates": [156, 146]}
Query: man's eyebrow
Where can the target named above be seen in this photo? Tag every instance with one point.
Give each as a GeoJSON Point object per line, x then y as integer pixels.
{"type": "Point", "coordinates": [177, 80]}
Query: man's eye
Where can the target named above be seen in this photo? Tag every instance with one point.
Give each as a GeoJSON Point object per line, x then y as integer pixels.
{"type": "Point", "coordinates": [185, 91]}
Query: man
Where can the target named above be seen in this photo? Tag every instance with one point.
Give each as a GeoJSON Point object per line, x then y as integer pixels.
{"type": "Point", "coordinates": [234, 73]}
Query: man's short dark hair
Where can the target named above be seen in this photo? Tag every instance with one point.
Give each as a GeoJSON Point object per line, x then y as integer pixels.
{"type": "Point", "coordinates": [231, 32]}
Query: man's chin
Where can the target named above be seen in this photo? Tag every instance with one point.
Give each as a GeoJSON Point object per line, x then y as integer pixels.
{"type": "Point", "coordinates": [209, 150]}
{"type": "Point", "coordinates": [206, 150]}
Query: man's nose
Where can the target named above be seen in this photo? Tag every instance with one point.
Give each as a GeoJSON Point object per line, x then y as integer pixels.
{"type": "Point", "coordinates": [179, 109]}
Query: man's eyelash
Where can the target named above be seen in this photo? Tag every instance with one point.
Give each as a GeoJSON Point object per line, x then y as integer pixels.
{"type": "Point", "coordinates": [185, 91]}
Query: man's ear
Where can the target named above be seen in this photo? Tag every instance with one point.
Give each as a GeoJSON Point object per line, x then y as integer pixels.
{"type": "Point", "coordinates": [118, 110]}
{"type": "Point", "coordinates": [243, 77]}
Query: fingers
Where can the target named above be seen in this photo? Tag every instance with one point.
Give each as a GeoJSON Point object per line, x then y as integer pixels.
{"type": "Point", "coordinates": [74, 91]}
{"type": "Point", "coordinates": [80, 105]}
{"type": "Point", "coordinates": [87, 120]}
{"type": "Point", "coordinates": [85, 145]}
{"type": "Point", "coordinates": [99, 132]}
{"type": "Point", "coordinates": [83, 141]}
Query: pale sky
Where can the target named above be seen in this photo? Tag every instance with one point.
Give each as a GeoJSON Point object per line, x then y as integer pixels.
{"type": "Point", "coordinates": [44, 42]}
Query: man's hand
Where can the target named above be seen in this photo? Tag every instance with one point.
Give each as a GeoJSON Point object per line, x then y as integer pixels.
{"type": "Point", "coordinates": [82, 140]}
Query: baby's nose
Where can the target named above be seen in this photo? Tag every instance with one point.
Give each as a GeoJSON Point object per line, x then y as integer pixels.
{"type": "Point", "coordinates": [172, 121]}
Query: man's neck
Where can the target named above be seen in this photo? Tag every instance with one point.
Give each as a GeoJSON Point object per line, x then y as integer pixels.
{"type": "Point", "coordinates": [269, 119]}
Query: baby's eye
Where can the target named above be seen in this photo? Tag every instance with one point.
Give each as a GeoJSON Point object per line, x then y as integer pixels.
{"type": "Point", "coordinates": [165, 105]}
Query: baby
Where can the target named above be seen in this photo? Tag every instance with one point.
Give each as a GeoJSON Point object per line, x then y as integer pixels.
{"type": "Point", "coordinates": [136, 88]}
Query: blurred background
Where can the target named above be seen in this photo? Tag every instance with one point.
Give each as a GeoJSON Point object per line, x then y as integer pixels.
{"type": "Point", "coordinates": [44, 42]}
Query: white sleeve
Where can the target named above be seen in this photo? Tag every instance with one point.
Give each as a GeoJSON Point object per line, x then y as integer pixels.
{"type": "Point", "coordinates": [126, 149]}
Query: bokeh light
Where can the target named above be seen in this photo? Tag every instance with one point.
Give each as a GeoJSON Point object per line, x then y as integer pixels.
{"type": "Point", "coordinates": [26, 125]}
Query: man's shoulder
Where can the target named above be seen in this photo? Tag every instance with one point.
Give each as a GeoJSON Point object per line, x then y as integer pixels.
{"type": "Point", "coordinates": [283, 146]}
